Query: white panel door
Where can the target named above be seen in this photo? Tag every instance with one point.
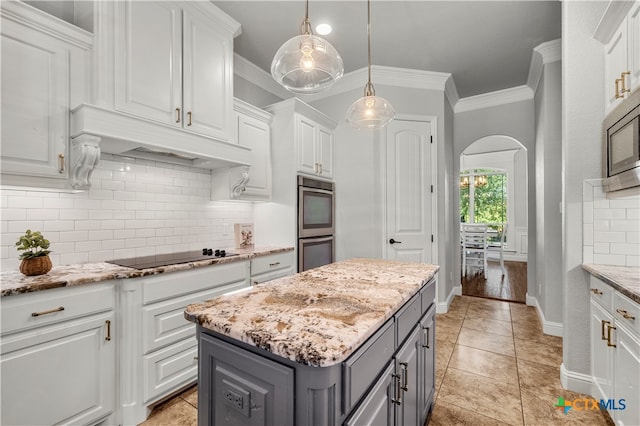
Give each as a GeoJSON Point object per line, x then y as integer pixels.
{"type": "Point", "coordinates": [208, 68]}
{"type": "Point", "coordinates": [148, 60]}
{"type": "Point", "coordinates": [408, 191]}
{"type": "Point", "coordinates": [35, 102]}
{"type": "Point", "coordinates": [256, 134]}
{"type": "Point", "coordinates": [601, 354]}
{"type": "Point", "coordinates": [306, 144]}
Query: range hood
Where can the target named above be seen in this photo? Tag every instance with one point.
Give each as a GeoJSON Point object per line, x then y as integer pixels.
{"type": "Point", "coordinates": [131, 136]}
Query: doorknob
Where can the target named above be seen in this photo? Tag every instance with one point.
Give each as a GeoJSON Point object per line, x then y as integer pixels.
{"type": "Point", "coordinates": [392, 241]}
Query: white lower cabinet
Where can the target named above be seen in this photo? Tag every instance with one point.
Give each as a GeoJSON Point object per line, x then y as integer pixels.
{"type": "Point", "coordinates": [615, 352]}
{"type": "Point", "coordinates": [158, 345]}
{"type": "Point", "coordinates": [57, 356]}
{"type": "Point", "coordinates": [267, 268]}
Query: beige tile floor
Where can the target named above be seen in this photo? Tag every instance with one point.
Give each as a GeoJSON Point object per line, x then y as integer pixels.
{"type": "Point", "coordinates": [494, 366]}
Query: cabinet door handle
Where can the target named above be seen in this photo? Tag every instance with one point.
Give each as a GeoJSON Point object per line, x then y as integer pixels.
{"type": "Point", "coordinates": [61, 163]}
{"type": "Point", "coordinates": [604, 324]}
{"type": "Point", "coordinates": [108, 323]}
{"type": "Point", "coordinates": [398, 399]}
{"type": "Point", "coordinates": [595, 291]}
{"type": "Point", "coordinates": [425, 333]}
{"type": "Point", "coordinates": [405, 376]}
{"type": "Point", "coordinates": [320, 168]}
{"type": "Point", "coordinates": [625, 314]}
{"type": "Point", "coordinates": [177, 115]}
{"type": "Point", "coordinates": [609, 328]}
{"type": "Point", "coordinates": [618, 95]}
{"type": "Point", "coordinates": [623, 79]}
{"type": "Point", "coordinates": [274, 264]}
{"type": "Point", "coordinates": [50, 311]}
{"type": "Point", "coordinates": [189, 118]}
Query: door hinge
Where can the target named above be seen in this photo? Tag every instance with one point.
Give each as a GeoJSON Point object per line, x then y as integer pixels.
{"type": "Point", "coordinates": [431, 237]}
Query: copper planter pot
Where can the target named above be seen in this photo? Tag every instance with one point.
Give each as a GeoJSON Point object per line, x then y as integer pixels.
{"type": "Point", "coordinates": [36, 266]}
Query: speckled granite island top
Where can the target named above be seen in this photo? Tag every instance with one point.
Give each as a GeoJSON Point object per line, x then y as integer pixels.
{"type": "Point", "coordinates": [317, 317]}
{"type": "Point", "coordinates": [13, 282]}
{"type": "Point", "coordinates": [625, 279]}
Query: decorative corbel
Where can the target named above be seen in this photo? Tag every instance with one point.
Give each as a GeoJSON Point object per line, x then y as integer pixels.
{"type": "Point", "coordinates": [239, 187]}
{"type": "Point", "coordinates": [85, 156]}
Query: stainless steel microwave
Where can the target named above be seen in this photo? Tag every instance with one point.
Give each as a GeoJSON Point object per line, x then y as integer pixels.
{"type": "Point", "coordinates": [621, 145]}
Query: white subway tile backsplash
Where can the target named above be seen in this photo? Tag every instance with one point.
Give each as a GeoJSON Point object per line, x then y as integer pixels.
{"type": "Point", "coordinates": [134, 208]}
{"type": "Point", "coordinates": [611, 230]}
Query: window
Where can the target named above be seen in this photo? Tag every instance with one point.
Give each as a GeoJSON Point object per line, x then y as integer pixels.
{"type": "Point", "coordinates": [483, 198]}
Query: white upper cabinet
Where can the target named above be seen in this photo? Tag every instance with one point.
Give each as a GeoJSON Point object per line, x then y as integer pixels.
{"type": "Point", "coordinates": [314, 147]}
{"type": "Point", "coordinates": [40, 55]}
{"type": "Point", "coordinates": [173, 64]}
{"type": "Point", "coordinates": [622, 52]}
{"type": "Point", "coordinates": [254, 132]}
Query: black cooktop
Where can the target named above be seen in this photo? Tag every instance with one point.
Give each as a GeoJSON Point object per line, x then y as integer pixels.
{"type": "Point", "coordinates": [145, 262]}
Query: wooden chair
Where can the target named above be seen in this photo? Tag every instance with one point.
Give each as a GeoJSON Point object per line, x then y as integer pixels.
{"type": "Point", "coordinates": [499, 247]}
{"type": "Point", "coordinates": [474, 247]}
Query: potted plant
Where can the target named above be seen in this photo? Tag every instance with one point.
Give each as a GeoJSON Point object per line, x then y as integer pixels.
{"type": "Point", "coordinates": [35, 256]}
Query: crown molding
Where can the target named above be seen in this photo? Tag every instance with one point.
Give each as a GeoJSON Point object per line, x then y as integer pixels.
{"type": "Point", "coordinates": [611, 20]}
{"type": "Point", "coordinates": [249, 71]}
{"type": "Point", "coordinates": [499, 97]}
{"type": "Point", "coordinates": [545, 53]}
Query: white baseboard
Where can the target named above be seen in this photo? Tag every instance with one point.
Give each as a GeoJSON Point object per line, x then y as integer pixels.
{"type": "Point", "coordinates": [443, 307]}
{"type": "Point", "coordinates": [548, 327]}
{"type": "Point", "coordinates": [576, 382]}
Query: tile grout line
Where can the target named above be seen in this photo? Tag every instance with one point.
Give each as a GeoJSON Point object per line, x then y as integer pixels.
{"type": "Point", "coordinates": [517, 369]}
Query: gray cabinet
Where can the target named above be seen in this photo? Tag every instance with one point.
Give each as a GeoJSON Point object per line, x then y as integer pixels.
{"type": "Point", "coordinates": [427, 365]}
{"type": "Point", "coordinates": [237, 387]}
{"type": "Point", "coordinates": [377, 409]}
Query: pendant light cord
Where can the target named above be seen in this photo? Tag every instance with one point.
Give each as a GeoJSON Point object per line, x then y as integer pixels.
{"type": "Point", "coordinates": [305, 28]}
{"type": "Point", "coordinates": [368, 89]}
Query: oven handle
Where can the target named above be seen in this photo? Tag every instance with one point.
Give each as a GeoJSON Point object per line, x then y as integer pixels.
{"type": "Point", "coordinates": [316, 190]}
{"type": "Point", "coordinates": [315, 239]}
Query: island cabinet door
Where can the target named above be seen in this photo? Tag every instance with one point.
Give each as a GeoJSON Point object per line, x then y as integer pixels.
{"type": "Point", "coordinates": [408, 371]}
{"type": "Point", "coordinates": [426, 359]}
{"type": "Point", "coordinates": [377, 407]}
{"type": "Point", "coordinates": [237, 387]}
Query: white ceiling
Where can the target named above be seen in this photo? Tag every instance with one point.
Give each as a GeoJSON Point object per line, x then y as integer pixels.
{"type": "Point", "coordinates": [486, 45]}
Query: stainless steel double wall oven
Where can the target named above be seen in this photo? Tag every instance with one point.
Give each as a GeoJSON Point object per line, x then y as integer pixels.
{"type": "Point", "coordinates": [316, 222]}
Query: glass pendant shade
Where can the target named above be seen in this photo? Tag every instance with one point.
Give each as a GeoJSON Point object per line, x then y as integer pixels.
{"type": "Point", "coordinates": [307, 64]}
{"type": "Point", "coordinates": [370, 112]}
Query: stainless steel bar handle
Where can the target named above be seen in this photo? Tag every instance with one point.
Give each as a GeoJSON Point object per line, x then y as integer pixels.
{"type": "Point", "coordinates": [405, 373]}
{"type": "Point", "coordinates": [61, 163]}
{"type": "Point", "coordinates": [398, 399]}
{"type": "Point", "coordinates": [50, 311]}
{"type": "Point", "coordinates": [425, 333]}
{"type": "Point", "coordinates": [274, 264]}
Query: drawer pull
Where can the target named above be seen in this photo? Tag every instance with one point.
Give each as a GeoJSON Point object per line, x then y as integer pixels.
{"type": "Point", "coordinates": [189, 118]}
{"type": "Point", "coordinates": [609, 328]}
{"type": "Point", "coordinates": [624, 89]}
{"type": "Point", "coordinates": [50, 311]}
{"type": "Point", "coordinates": [195, 358]}
{"type": "Point", "coordinates": [274, 264]}
{"type": "Point", "coordinates": [617, 94]}
{"type": "Point", "coordinates": [177, 115]}
{"type": "Point", "coordinates": [61, 162]}
{"type": "Point", "coordinates": [405, 379]}
{"type": "Point", "coordinates": [398, 399]}
{"type": "Point", "coordinates": [625, 314]}
{"type": "Point", "coordinates": [108, 338]}
{"type": "Point", "coordinates": [604, 324]}
{"type": "Point", "coordinates": [595, 291]}
{"type": "Point", "coordinates": [425, 333]}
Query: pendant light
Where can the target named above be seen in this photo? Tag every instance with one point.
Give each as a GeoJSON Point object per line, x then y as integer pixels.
{"type": "Point", "coordinates": [306, 63]}
{"type": "Point", "coordinates": [370, 111]}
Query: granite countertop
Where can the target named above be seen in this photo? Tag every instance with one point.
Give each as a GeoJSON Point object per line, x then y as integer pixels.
{"type": "Point", "coordinates": [317, 317]}
{"type": "Point", "coordinates": [13, 282]}
{"type": "Point", "coordinates": [625, 279]}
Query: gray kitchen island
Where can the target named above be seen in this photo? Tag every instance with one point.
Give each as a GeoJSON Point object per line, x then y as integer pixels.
{"type": "Point", "coordinates": [349, 343]}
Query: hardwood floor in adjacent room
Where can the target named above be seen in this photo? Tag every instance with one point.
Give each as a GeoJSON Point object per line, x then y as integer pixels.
{"type": "Point", "coordinates": [512, 287]}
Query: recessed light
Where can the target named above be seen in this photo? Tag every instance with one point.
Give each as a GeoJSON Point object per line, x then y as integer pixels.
{"type": "Point", "coordinates": [324, 29]}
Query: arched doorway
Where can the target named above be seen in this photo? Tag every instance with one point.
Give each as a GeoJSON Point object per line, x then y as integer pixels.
{"type": "Point", "coordinates": [493, 191]}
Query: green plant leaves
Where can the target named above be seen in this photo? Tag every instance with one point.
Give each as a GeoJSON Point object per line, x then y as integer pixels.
{"type": "Point", "coordinates": [33, 244]}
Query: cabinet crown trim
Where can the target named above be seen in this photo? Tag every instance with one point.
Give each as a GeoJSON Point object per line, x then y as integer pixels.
{"type": "Point", "coordinates": [613, 16]}
{"type": "Point", "coordinates": [252, 111]}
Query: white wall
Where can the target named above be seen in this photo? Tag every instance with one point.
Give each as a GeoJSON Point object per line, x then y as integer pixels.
{"type": "Point", "coordinates": [582, 114]}
{"type": "Point", "coordinates": [252, 94]}
{"type": "Point", "coordinates": [514, 120]}
{"type": "Point", "coordinates": [134, 208]}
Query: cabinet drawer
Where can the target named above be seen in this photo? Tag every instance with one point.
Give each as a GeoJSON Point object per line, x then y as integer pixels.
{"type": "Point", "coordinates": [627, 312]}
{"type": "Point", "coordinates": [407, 317]}
{"type": "Point", "coordinates": [363, 366]}
{"type": "Point", "coordinates": [160, 287]}
{"type": "Point", "coordinates": [272, 262]}
{"type": "Point", "coordinates": [170, 368]}
{"type": "Point", "coordinates": [601, 293]}
{"type": "Point", "coordinates": [24, 311]}
{"type": "Point", "coordinates": [268, 276]}
{"type": "Point", "coordinates": [164, 322]}
{"type": "Point", "coordinates": [428, 295]}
